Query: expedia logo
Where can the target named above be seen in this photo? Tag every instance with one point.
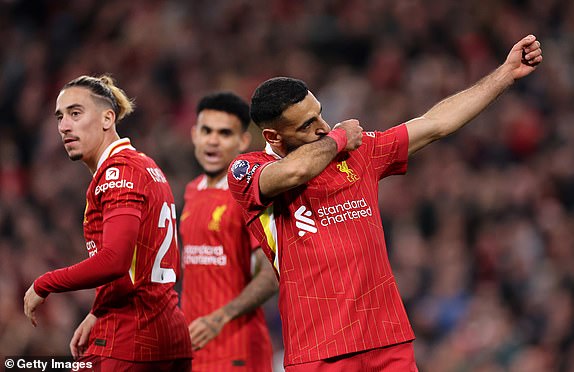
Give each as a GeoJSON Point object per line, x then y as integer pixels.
{"type": "Point", "coordinates": [112, 173]}
{"type": "Point", "coordinates": [304, 223]}
{"type": "Point", "coordinates": [113, 185]}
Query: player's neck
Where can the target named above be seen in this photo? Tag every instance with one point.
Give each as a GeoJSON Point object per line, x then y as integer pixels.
{"type": "Point", "coordinates": [92, 161]}
{"type": "Point", "coordinates": [275, 151]}
{"type": "Point", "coordinates": [214, 179]}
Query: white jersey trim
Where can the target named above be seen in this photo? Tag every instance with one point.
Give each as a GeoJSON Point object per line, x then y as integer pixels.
{"type": "Point", "coordinates": [221, 184]}
{"type": "Point", "coordinates": [114, 148]}
{"type": "Point", "coordinates": [269, 151]}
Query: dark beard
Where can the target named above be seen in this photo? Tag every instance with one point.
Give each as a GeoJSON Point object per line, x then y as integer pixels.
{"type": "Point", "coordinates": [75, 157]}
{"type": "Point", "coordinates": [290, 148]}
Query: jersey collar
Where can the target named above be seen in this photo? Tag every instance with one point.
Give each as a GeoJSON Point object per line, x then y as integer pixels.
{"type": "Point", "coordinates": [221, 184]}
{"type": "Point", "coordinates": [269, 151]}
{"type": "Point", "coordinates": [114, 148]}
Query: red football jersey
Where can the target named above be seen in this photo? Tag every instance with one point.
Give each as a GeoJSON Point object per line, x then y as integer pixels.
{"type": "Point", "coordinates": [337, 293]}
{"type": "Point", "coordinates": [216, 258]}
{"type": "Point", "coordinates": [138, 314]}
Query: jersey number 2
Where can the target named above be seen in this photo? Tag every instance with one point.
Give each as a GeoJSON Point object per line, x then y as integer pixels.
{"type": "Point", "coordinates": [158, 273]}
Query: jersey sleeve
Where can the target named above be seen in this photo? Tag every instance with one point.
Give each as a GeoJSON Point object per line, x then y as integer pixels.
{"type": "Point", "coordinates": [121, 189]}
{"type": "Point", "coordinates": [243, 180]}
{"type": "Point", "coordinates": [390, 150]}
{"type": "Point", "coordinates": [119, 239]}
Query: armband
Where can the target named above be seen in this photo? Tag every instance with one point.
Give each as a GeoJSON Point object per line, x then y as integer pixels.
{"type": "Point", "coordinates": [340, 137]}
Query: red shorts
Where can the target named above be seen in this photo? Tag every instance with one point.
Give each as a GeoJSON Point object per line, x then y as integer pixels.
{"type": "Point", "coordinates": [103, 364]}
{"type": "Point", "coordinates": [395, 358]}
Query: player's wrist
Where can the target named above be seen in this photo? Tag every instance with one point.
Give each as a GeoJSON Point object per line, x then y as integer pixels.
{"type": "Point", "coordinates": [503, 76]}
{"type": "Point", "coordinates": [39, 288]}
{"type": "Point", "coordinates": [91, 316]}
{"type": "Point", "coordinates": [228, 313]}
{"type": "Point", "coordinates": [340, 137]}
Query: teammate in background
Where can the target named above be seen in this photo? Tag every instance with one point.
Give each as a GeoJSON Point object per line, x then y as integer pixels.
{"type": "Point", "coordinates": [220, 296]}
{"type": "Point", "coordinates": [311, 199]}
{"type": "Point", "coordinates": [135, 323]}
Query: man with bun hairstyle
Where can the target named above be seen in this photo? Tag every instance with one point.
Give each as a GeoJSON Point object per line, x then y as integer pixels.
{"type": "Point", "coordinates": [129, 223]}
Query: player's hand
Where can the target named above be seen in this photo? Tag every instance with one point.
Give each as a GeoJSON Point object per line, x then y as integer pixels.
{"type": "Point", "coordinates": [79, 342]}
{"type": "Point", "coordinates": [31, 301]}
{"type": "Point", "coordinates": [354, 133]}
{"type": "Point", "coordinates": [524, 57]}
{"type": "Point", "coordinates": [206, 328]}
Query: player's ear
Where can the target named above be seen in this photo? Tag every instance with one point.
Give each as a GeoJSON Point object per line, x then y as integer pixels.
{"type": "Point", "coordinates": [108, 119]}
{"type": "Point", "coordinates": [244, 141]}
{"type": "Point", "coordinates": [271, 136]}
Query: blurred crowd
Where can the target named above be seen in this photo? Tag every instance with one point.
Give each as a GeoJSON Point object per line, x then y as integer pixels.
{"type": "Point", "coordinates": [480, 231]}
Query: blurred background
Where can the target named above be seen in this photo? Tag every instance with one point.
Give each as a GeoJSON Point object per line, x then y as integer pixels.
{"type": "Point", "coordinates": [480, 231]}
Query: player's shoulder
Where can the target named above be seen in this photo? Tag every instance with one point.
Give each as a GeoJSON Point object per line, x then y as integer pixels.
{"type": "Point", "coordinates": [369, 136]}
{"type": "Point", "coordinates": [253, 157]}
{"type": "Point", "coordinates": [133, 162]}
{"type": "Point", "coordinates": [369, 140]}
{"type": "Point", "coordinates": [124, 158]}
{"type": "Point", "coordinates": [383, 135]}
{"type": "Point", "coordinates": [372, 135]}
{"type": "Point", "coordinates": [133, 158]}
{"type": "Point", "coordinates": [193, 185]}
{"type": "Point", "coordinates": [247, 163]}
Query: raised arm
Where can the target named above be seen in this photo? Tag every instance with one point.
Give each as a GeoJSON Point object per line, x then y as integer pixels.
{"type": "Point", "coordinates": [307, 161]}
{"type": "Point", "coordinates": [454, 112]}
{"type": "Point", "coordinates": [260, 289]}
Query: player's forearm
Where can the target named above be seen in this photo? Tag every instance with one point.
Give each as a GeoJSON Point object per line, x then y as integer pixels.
{"type": "Point", "coordinates": [90, 273]}
{"type": "Point", "coordinates": [260, 289]}
{"type": "Point", "coordinates": [455, 111]}
{"type": "Point", "coordinates": [309, 160]}
{"type": "Point", "coordinates": [298, 167]}
{"type": "Point", "coordinates": [119, 239]}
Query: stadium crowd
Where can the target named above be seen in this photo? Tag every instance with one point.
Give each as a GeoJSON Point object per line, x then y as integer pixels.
{"type": "Point", "coordinates": [480, 230]}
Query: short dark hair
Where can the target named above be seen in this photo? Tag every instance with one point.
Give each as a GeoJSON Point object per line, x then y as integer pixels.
{"type": "Point", "coordinates": [274, 96]}
{"type": "Point", "coordinates": [227, 102]}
